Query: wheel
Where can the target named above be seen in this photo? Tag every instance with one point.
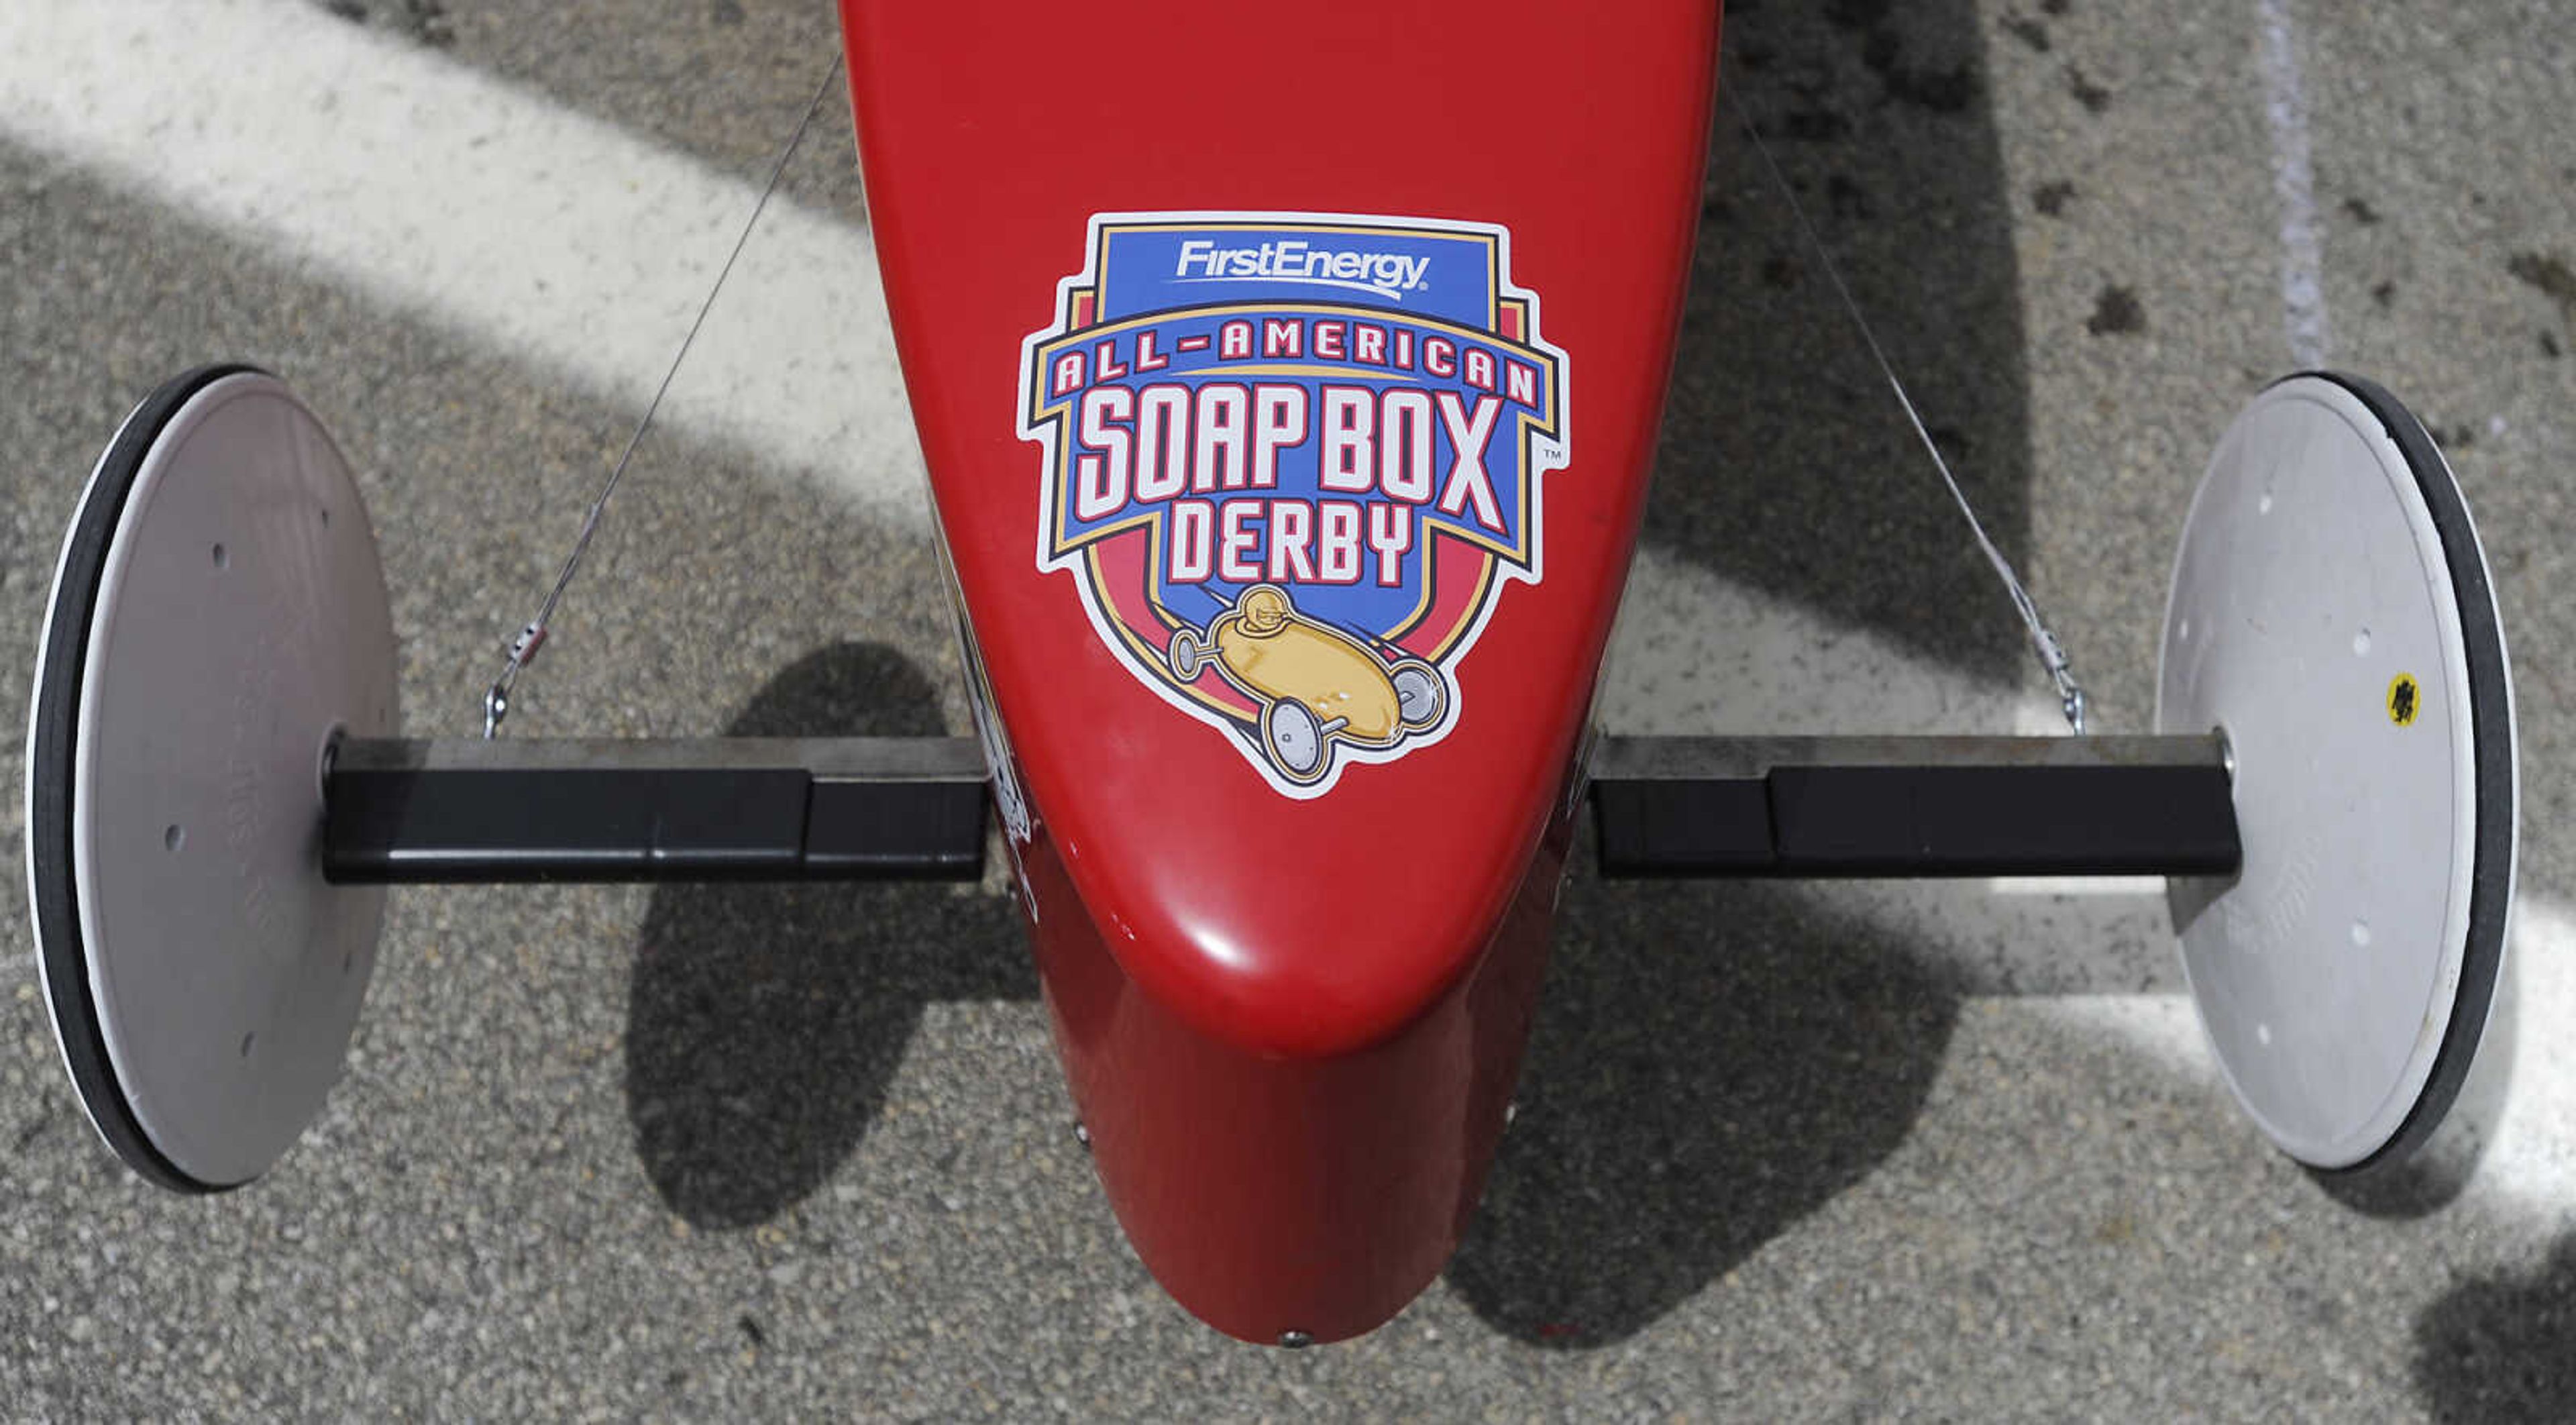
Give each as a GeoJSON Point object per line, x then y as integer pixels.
{"type": "Point", "coordinates": [1295, 740]}
{"type": "Point", "coordinates": [1421, 694]}
{"type": "Point", "coordinates": [2331, 612]}
{"type": "Point", "coordinates": [1188, 655]}
{"type": "Point", "coordinates": [218, 617]}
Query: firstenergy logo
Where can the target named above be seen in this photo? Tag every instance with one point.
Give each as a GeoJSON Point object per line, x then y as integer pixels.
{"type": "Point", "coordinates": [1386, 274]}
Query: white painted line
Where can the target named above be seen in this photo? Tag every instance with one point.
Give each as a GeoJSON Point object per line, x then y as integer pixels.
{"type": "Point", "coordinates": [2531, 1161]}
{"type": "Point", "coordinates": [2148, 886]}
{"type": "Point", "coordinates": [2161, 1028]}
{"type": "Point", "coordinates": [2529, 1171]}
{"type": "Point", "coordinates": [2285, 105]}
{"type": "Point", "coordinates": [478, 207]}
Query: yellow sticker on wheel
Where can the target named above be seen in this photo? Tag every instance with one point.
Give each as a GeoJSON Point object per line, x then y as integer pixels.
{"type": "Point", "coordinates": [2405, 699]}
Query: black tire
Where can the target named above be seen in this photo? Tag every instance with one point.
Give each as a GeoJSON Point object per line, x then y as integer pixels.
{"type": "Point", "coordinates": [53, 726]}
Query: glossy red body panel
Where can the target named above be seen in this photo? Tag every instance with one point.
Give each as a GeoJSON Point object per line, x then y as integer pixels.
{"type": "Point", "coordinates": [1291, 1023]}
{"type": "Point", "coordinates": [1273, 1194]}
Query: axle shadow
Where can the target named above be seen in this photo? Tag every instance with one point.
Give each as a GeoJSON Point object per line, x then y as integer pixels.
{"type": "Point", "coordinates": [1785, 464]}
{"type": "Point", "coordinates": [2503, 1349]}
{"type": "Point", "coordinates": [1675, 1114]}
{"type": "Point", "coordinates": [764, 1023]}
{"type": "Point", "coordinates": [1683, 1104]}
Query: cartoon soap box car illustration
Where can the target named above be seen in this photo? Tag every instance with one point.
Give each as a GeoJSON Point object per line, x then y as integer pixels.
{"type": "Point", "coordinates": [1316, 684]}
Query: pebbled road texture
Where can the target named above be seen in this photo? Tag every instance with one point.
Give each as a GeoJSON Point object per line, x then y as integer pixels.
{"type": "Point", "coordinates": [1839, 1152]}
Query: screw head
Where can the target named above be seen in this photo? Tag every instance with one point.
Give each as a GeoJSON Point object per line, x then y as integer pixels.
{"type": "Point", "coordinates": [1295, 1340]}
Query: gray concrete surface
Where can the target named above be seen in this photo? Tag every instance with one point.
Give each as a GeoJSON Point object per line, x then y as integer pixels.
{"type": "Point", "coordinates": [1856, 1151]}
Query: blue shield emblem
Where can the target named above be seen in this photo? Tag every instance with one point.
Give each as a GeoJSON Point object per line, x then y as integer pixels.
{"type": "Point", "coordinates": [1291, 461]}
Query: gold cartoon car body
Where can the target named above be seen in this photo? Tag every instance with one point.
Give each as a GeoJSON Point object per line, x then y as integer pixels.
{"type": "Point", "coordinates": [1317, 684]}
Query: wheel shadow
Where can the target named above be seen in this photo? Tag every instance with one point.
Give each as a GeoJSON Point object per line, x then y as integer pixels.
{"type": "Point", "coordinates": [764, 1023]}
{"type": "Point", "coordinates": [2502, 1349]}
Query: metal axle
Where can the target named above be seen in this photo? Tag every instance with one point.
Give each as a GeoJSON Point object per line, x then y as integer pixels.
{"type": "Point", "coordinates": [752, 809]}
{"type": "Point", "coordinates": [1915, 806]}
{"type": "Point", "coordinates": [715, 809]}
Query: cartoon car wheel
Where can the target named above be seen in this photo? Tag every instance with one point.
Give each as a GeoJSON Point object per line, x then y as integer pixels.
{"type": "Point", "coordinates": [1295, 740]}
{"type": "Point", "coordinates": [1316, 684]}
{"type": "Point", "coordinates": [1421, 694]}
{"type": "Point", "coordinates": [1188, 655]}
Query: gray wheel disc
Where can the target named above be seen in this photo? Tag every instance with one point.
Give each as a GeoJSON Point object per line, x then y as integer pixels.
{"type": "Point", "coordinates": [219, 614]}
{"type": "Point", "coordinates": [1296, 740]}
{"type": "Point", "coordinates": [2331, 611]}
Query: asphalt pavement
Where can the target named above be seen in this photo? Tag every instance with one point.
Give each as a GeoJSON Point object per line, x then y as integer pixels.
{"type": "Point", "coordinates": [1864, 1151]}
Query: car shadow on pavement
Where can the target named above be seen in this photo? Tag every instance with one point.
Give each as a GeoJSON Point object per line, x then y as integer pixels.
{"type": "Point", "coordinates": [764, 1023]}
{"type": "Point", "coordinates": [1786, 465]}
{"type": "Point", "coordinates": [2502, 1349]}
{"type": "Point", "coordinates": [1688, 1096]}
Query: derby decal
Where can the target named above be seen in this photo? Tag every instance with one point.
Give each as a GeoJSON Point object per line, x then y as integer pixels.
{"type": "Point", "coordinates": [1291, 462]}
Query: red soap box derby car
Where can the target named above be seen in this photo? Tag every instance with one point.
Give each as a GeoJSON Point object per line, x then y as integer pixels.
{"type": "Point", "coordinates": [1289, 477]}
